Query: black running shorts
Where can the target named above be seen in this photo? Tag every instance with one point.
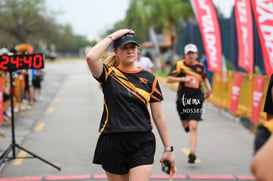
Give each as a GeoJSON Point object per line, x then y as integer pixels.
{"type": "Point", "coordinates": [119, 152]}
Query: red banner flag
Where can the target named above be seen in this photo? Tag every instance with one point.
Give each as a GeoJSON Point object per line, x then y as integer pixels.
{"type": "Point", "coordinates": [263, 11]}
{"type": "Point", "coordinates": [210, 32]}
{"type": "Point", "coordinates": [257, 99]}
{"type": "Point", "coordinates": [244, 27]}
{"type": "Point", "coordinates": [235, 94]}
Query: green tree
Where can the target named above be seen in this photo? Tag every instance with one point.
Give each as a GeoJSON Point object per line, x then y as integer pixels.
{"type": "Point", "coordinates": [23, 21]}
{"type": "Point", "coordinates": [137, 18]}
{"type": "Point", "coordinates": [162, 15]}
{"type": "Point", "coordinates": [28, 21]}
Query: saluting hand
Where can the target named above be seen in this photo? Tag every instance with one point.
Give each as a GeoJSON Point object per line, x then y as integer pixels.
{"type": "Point", "coordinates": [115, 35]}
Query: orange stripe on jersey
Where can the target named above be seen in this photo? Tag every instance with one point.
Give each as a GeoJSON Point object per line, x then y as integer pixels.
{"type": "Point", "coordinates": [107, 73]}
{"type": "Point", "coordinates": [124, 81]}
{"type": "Point", "coordinates": [106, 119]}
{"type": "Point", "coordinates": [130, 89]}
{"type": "Point", "coordinates": [144, 94]}
{"type": "Point", "coordinates": [187, 70]}
{"type": "Point", "coordinates": [154, 89]}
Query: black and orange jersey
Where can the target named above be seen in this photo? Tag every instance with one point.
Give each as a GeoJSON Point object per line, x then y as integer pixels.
{"type": "Point", "coordinates": [126, 99]}
{"type": "Point", "coordinates": [183, 69]}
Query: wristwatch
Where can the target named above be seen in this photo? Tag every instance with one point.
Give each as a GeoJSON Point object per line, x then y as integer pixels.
{"type": "Point", "coordinates": [170, 148]}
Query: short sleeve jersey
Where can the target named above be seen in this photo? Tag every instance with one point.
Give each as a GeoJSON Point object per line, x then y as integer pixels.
{"type": "Point", "coordinates": [268, 105]}
{"type": "Point", "coordinates": [126, 99]}
{"type": "Point", "coordinates": [182, 69]}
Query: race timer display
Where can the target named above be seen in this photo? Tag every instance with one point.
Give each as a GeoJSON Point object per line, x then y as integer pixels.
{"type": "Point", "coordinates": [16, 62]}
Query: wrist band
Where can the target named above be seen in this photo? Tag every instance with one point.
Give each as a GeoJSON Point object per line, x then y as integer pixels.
{"type": "Point", "coordinates": [110, 37]}
{"type": "Point", "coordinates": [170, 149]}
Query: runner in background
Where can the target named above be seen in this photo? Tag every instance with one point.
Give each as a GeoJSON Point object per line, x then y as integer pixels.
{"type": "Point", "coordinates": [190, 74]}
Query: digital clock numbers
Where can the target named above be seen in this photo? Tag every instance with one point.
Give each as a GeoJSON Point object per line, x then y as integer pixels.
{"type": "Point", "coordinates": [16, 62]}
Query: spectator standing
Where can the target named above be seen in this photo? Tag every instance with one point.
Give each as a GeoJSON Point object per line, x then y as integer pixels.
{"type": "Point", "coordinates": [6, 90]}
{"type": "Point", "coordinates": [36, 81]}
{"type": "Point", "coordinates": [265, 130]}
{"type": "Point", "coordinates": [204, 60]}
{"type": "Point", "coordinates": [169, 58]}
{"type": "Point", "coordinates": [144, 62]}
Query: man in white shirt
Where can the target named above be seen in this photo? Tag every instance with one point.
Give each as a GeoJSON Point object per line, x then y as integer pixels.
{"type": "Point", "coordinates": [144, 62]}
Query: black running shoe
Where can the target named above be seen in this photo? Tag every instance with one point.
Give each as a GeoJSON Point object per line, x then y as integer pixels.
{"type": "Point", "coordinates": [187, 129]}
{"type": "Point", "coordinates": [192, 158]}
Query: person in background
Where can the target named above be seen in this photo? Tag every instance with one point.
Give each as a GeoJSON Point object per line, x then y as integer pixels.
{"type": "Point", "coordinates": [265, 130]}
{"type": "Point", "coordinates": [36, 81]}
{"type": "Point", "coordinates": [6, 98]}
{"type": "Point", "coordinates": [190, 74]}
{"type": "Point", "coordinates": [126, 145]}
{"type": "Point", "coordinates": [26, 85]}
{"type": "Point", "coordinates": [209, 73]}
{"type": "Point", "coordinates": [169, 58]}
{"type": "Point", "coordinates": [6, 90]}
{"type": "Point", "coordinates": [144, 62]}
{"type": "Point", "coordinates": [262, 162]}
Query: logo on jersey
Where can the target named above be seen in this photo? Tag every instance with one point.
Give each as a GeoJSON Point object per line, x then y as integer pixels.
{"type": "Point", "coordinates": [142, 80]}
{"type": "Point", "coordinates": [198, 69]}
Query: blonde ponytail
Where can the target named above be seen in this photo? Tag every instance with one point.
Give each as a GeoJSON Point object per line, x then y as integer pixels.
{"type": "Point", "coordinates": [112, 60]}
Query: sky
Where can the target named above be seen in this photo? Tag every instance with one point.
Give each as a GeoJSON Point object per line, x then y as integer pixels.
{"type": "Point", "coordinates": [225, 6]}
{"type": "Point", "coordinates": [91, 17]}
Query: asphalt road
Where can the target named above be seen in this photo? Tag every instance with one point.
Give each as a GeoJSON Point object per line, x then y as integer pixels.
{"type": "Point", "coordinates": [63, 129]}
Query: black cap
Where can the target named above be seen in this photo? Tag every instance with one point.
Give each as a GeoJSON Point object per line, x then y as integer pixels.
{"type": "Point", "coordinates": [125, 39]}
